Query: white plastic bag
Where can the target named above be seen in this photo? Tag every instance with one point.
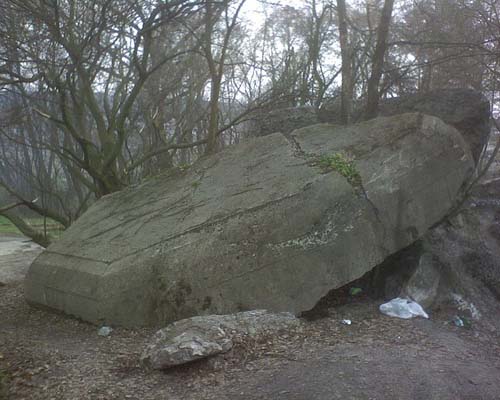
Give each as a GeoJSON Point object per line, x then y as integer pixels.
{"type": "Point", "coordinates": [402, 308]}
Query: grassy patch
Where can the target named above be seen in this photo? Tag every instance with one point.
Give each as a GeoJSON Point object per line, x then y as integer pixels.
{"type": "Point", "coordinates": [183, 167]}
{"type": "Point", "coordinates": [53, 228]}
{"type": "Point", "coordinates": [343, 164]}
{"type": "Point", "coordinates": [7, 227]}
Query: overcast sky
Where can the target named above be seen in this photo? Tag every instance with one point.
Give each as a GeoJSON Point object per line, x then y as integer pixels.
{"type": "Point", "coordinates": [253, 9]}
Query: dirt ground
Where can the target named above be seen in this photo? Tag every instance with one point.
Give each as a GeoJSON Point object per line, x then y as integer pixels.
{"type": "Point", "coordinates": [48, 356]}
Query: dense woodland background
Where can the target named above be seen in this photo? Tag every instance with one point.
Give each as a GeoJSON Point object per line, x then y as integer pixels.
{"type": "Point", "coordinates": [96, 95]}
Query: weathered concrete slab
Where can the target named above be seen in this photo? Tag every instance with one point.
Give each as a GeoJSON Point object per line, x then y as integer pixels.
{"type": "Point", "coordinates": [260, 225]}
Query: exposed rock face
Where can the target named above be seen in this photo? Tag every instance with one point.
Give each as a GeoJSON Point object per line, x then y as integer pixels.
{"type": "Point", "coordinates": [465, 109]}
{"type": "Point", "coordinates": [413, 272]}
{"type": "Point", "coordinates": [283, 120]}
{"type": "Point", "coordinates": [259, 225]}
{"type": "Point", "coordinates": [201, 337]}
{"type": "Point", "coordinates": [469, 249]}
{"type": "Point", "coordinates": [456, 264]}
{"type": "Point", "coordinates": [424, 282]}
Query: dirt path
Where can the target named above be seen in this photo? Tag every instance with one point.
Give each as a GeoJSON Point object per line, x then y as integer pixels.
{"type": "Point", "coordinates": [16, 253]}
{"type": "Point", "coordinates": [49, 356]}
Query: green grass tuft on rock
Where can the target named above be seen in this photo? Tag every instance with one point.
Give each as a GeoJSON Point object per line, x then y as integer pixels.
{"type": "Point", "coordinates": [343, 164]}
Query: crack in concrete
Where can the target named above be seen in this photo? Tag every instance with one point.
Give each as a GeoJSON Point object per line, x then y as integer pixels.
{"type": "Point", "coordinates": [243, 274]}
{"type": "Point", "coordinates": [210, 223]}
{"type": "Point", "coordinates": [137, 216]}
{"type": "Point", "coordinates": [48, 251]}
{"type": "Point", "coordinates": [299, 152]}
{"type": "Point", "coordinates": [245, 191]}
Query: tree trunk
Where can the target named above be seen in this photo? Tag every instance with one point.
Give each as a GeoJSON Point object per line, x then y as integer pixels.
{"type": "Point", "coordinates": [213, 117]}
{"type": "Point", "coordinates": [378, 60]}
{"type": "Point", "coordinates": [38, 237]}
{"type": "Point", "coordinates": [345, 50]}
{"type": "Point", "coordinates": [213, 113]}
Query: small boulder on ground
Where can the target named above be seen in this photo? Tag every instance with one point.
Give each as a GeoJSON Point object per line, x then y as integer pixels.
{"type": "Point", "coordinates": [195, 338]}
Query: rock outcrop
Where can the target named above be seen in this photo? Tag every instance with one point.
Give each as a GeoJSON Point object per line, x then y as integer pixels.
{"type": "Point", "coordinates": [267, 224]}
{"type": "Point", "coordinates": [196, 338]}
{"type": "Point", "coordinates": [454, 265]}
{"type": "Point", "coordinates": [284, 120]}
{"type": "Point", "coordinates": [465, 109]}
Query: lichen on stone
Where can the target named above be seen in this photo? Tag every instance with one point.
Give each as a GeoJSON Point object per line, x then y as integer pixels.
{"type": "Point", "coordinates": [312, 239]}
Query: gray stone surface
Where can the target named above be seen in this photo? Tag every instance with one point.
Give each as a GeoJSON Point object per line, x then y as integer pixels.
{"type": "Point", "coordinates": [259, 225]}
{"type": "Point", "coordinates": [465, 109]}
{"type": "Point", "coordinates": [424, 282]}
{"type": "Point", "coordinates": [283, 120]}
{"type": "Point", "coordinates": [468, 249]}
{"type": "Point", "coordinates": [195, 338]}
{"type": "Point", "coordinates": [456, 264]}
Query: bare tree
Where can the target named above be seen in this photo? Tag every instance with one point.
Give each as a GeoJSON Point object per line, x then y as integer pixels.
{"type": "Point", "coordinates": [345, 49]}
{"type": "Point", "coordinates": [373, 97]}
{"type": "Point", "coordinates": [215, 63]}
{"type": "Point", "coordinates": [93, 60]}
{"type": "Point", "coordinates": [80, 68]}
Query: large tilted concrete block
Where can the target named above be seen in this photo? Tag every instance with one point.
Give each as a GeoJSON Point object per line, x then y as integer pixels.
{"type": "Point", "coordinates": [260, 225]}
